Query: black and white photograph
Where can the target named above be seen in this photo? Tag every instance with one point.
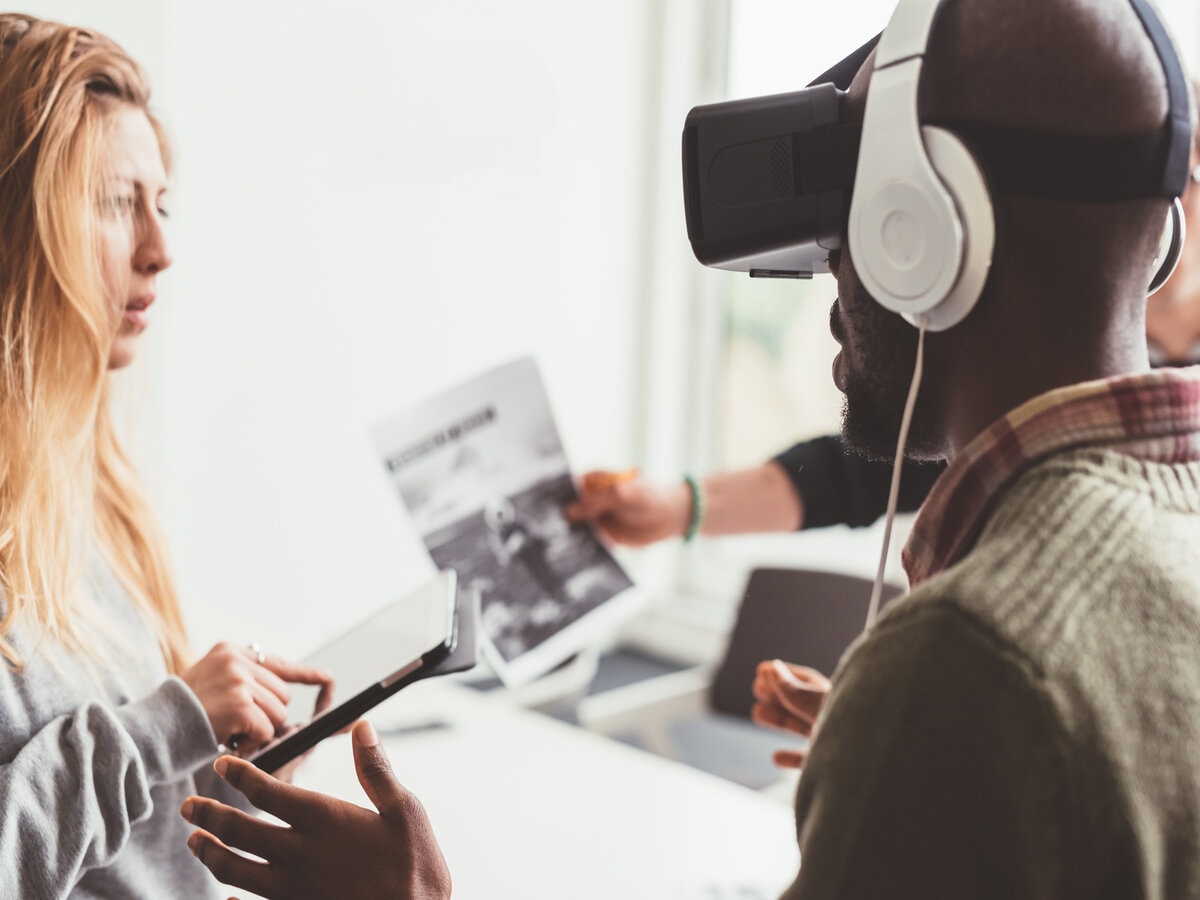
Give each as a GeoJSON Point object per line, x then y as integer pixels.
{"type": "Point", "coordinates": [483, 474]}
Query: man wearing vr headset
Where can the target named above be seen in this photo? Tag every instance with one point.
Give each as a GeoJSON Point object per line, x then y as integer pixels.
{"type": "Point", "coordinates": [1023, 723]}
{"type": "Point", "coordinates": [820, 482]}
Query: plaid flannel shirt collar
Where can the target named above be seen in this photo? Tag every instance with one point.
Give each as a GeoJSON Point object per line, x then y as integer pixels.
{"type": "Point", "coordinates": [1153, 417]}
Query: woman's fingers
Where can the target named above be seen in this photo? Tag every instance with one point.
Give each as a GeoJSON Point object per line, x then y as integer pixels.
{"type": "Point", "coordinates": [774, 717]}
{"type": "Point", "coordinates": [252, 731]}
{"type": "Point", "coordinates": [804, 705]}
{"type": "Point", "coordinates": [790, 759]}
{"type": "Point", "coordinates": [788, 697]}
{"type": "Point", "coordinates": [776, 671]}
{"type": "Point", "coordinates": [264, 675]}
{"type": "Point", "coordinates": [273, 674]}
{"type": "Point", "coordinates": [800, 676]}
{"type": "Point", "coordinates": [324, 698]}
{"type": "Point", "coordinates": [804, 687]}
{"type": "Point", "coordinates": [272, 708]}
{"type": "Point", "coordinates": [297, 673]}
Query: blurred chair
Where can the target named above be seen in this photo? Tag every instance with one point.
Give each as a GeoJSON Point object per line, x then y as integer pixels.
{"type": "Point", "coordinates": [701, 715]}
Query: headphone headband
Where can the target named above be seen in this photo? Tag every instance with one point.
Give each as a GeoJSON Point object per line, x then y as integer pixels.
{"type": "Point", "coordinates": [921, 224]}
{"type": "Point", "coordinates": [772, 183]}
{"type": "Point", "coordinates": [905, 230]}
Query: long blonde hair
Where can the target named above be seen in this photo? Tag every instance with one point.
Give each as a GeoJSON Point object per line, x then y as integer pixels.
{"type": "Point", "coordinates": [67, 488]}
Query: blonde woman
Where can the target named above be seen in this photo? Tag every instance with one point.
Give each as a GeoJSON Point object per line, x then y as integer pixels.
{"type": "Point", "coordinates": [106, 723]}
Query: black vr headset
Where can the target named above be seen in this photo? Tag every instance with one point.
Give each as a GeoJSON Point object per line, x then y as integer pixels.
{"type": "Point", "coordinates": [772, 184]}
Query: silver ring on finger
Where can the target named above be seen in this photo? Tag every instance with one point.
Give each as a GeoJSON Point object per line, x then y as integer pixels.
{"type": "Point", "coordinates": [256, 649]}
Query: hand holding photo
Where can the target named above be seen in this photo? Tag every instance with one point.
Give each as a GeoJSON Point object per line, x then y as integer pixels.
{"type": "Point", "coordinates": [481, 469]}
{"type": "Point", "coordinates": [600, 481]}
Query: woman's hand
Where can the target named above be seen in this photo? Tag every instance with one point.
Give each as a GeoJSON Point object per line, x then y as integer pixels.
{"type": "Point", "coordinates": [631, 511]}
{"type": "Point", "coordinates": [326, 848]}
{"type": "Point", "coordinates": [246, 700]}
{"type": "Point", "coordinates": [788, 697]}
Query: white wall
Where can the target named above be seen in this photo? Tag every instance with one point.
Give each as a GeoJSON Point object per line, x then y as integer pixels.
{"type": "Point", "coordinates": [372, 200]}
{"type": "Point", "coordinates": [382, 199]}
{"type": "Point", "coordinates": [1183, 17]}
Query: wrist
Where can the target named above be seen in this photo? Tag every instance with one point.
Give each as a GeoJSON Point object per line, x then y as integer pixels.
{"type": "Point", "coordinates": [696, 502]}
{"type": "Point", "coordinates": [680, 510]}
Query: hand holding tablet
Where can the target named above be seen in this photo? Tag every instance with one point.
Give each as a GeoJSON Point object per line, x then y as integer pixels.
{"type": "Point", "coordinates": [431, 631]}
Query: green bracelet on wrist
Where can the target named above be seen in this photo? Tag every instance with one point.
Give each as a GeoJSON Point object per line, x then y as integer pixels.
{"type": "Point", "coordinates": [697, 516]}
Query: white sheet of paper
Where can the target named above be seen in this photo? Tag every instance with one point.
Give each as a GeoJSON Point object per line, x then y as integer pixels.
{"type": "Point", "coordinates": [481, 469]}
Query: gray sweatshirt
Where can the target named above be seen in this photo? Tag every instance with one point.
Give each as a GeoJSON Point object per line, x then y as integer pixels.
{"type": "Point", "coordinates": [93, 768]}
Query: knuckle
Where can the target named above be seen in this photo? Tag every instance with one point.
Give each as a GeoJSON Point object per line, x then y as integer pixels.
{"type": "Point", "coordinates": [220, 864]}
{"type": "Point", "coordinates": [409, 805]}
{"type": "Point", "coordinates": [199, 817]}
{"type": "Point", "coordinates": [233, 775]}
{"type": "Point", "coordinates": [217, 820]}
{"type": "Point", "coordinates": [376, 766]}
{"type": "Point", "coordinates": [251, 788]}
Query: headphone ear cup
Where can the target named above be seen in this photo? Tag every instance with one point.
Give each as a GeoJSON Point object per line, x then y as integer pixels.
{"type": "Point", "coordinates": [964, 180]}
{"type": "Point", "coordinates": [1171, 246]}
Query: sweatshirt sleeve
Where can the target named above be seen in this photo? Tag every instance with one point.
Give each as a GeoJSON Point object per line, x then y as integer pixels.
{"type": "Point", "coordinates": [75, 789]}
{"type": "Point", "coordinates": [839, 487]}
{"type": "Point", "coordinates": [938, 765]}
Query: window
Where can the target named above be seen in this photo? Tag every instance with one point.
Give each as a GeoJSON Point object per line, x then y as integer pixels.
{"type": "Point", "coordinates": [776, 351]}
{"type": "Point", "coordinates": [774, 385]}
{"type": "Point", "coordinates": [759, 352]}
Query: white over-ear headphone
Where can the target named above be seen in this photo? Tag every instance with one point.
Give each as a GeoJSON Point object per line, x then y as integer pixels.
{"type": "Point", "coordinates": [922, 227]}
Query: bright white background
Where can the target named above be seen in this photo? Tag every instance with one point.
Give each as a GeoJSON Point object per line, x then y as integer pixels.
{"type": "Point", "coordinates": [373, 200]}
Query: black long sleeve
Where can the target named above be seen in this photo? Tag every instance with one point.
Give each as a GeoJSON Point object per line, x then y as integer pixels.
{"type": "Point", "coordinates": [839, 487]}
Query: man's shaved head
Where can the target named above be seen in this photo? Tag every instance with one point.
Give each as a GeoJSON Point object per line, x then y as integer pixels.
{"type": "Point", "coordinates": [1064, 66]}
{"type": "Point", "coordinates": [1065, 300]}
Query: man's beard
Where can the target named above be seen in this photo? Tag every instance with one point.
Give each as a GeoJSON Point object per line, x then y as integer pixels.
{"type": "Point", "coordinates": [871, 425]}
{"type": "Point", "coordinates": [877, 387]}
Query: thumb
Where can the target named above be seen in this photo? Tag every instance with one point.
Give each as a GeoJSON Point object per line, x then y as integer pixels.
{"type": "Point", "coordinates": [375, 771]}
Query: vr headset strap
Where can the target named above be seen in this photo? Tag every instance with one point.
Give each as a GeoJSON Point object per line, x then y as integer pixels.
{"type": "Point", "coordinates": [1179, 150]}
{"type": "Point", "coordinates": [842, 72]}
{"type": "Point", "coordinates": [1086, 169]}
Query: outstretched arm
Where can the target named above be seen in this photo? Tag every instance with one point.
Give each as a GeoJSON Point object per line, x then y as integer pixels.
{"type": "Point", "coordinates": [840, 487]}
{"type": "Point", "coordinates": [326, 847]}
{"type": "Point", "coordinates": [640, 512]}
{"type": "Point", "coordinates": [810, 485]}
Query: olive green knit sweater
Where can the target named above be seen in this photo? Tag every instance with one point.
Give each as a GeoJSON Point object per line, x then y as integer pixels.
{"type": "Point", "coordinates": [1026, 724]}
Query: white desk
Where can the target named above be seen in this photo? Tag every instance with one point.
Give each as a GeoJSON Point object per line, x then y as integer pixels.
{"type": "Point", "coordinates": [526, 807]}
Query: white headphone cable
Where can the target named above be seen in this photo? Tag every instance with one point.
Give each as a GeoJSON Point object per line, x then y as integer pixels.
{"type": "Point", "coordinates": [894, 492]}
